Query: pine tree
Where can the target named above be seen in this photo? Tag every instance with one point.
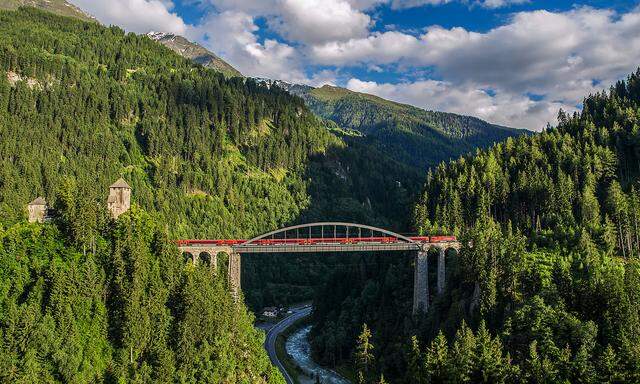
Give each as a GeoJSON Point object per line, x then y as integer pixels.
{"type": "Point", "coordinates": [437, 360]}
{"type": "Point", "coordinates": [610, 367]}
{"type": "Point", "coordinates": [589, 206]}
{"type": "Point", "coordinates": [364, 351]}
{"type": "Point", "coordinates": [539, 369]}
{"type": "Point", "coordinates": [415, 372]}
{"type": "Point", "coordinates": [463, 355]}
{"type": "Point", "coordinates": [609, 236]}
{"type": "Point", "coordinates": [489, 364]}
{"type": "Point", "coordinates": [582, 369]}
{"type": "Point", "coordinates": [619, 210]}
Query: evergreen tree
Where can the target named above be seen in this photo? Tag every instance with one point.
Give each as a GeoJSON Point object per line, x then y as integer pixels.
{"type": "Point", "coordinates": [437, 360]}
{"type": "Point", "coordinates": [463, 355]}
{"type": "Point", "coordinates": [364, 352]}
{"type": "Point", "coordinates": [610, 367]}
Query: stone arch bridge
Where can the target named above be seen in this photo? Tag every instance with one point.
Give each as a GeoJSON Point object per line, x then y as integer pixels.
{"type": "Point", "coordinates": [329, 237]}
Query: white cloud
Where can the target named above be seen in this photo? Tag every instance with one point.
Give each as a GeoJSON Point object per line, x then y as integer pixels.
{"type": "Point", "coordinates": [307, 21]}
{"type": "Point", "coordinates": [366, 4]}
{"type": "Point", "coordinates": [378, 48]}
{"type": "Point", "coordinates": [560, 56]}
{"type": "Point", "coordinates": [500, 3]}
{"type": "Point", "coordinates": [231, 34]}
{"type": "Point", "coordinates": [251, 7]}
{"type": "Point", "coordinates": [269, 6]}
{"type": "Point", "coordinates": [136, 15]}
{"type": "Point", "coordinates": [318, 21]}
{"type": "Point", "coordinates": [541, 52]}
{"type": "Point", "coordinates": [399, 4]}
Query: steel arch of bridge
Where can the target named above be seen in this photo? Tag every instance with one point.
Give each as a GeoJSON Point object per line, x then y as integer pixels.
{"type": "Point", "coordinates": [328, 224]}
{"type": "Point", "coordinates": [390, 241]}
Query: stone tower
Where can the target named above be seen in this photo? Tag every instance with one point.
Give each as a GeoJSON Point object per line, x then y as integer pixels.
{"type": "Point", "coordinates": [119, 200]}
{"type": "Point", "coordinates": [37, 210]}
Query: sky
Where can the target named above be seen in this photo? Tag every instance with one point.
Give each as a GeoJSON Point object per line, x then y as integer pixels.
{"type": "Point", "coordinates": [510, 62]}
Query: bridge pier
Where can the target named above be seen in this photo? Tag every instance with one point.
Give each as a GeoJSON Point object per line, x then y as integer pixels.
{"type": "Point", "coordinates": [234, 273]}
{"type": "Point", "coordinates": [441, 270]}
{"type": "Point", "coordinates": [421, 277]}
{"type": "Point", "coordinates": [213, 262]}
{"type": "Point", "coordinates": [421, 283]}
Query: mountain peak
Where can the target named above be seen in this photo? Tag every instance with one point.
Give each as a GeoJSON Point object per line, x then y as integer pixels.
{"type": "Point", "coordinates": [158, 35]}
{"type": "Point", "coordinates": [194, 51]}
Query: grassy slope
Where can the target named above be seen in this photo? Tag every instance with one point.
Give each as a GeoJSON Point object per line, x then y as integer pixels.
{"type": "Point", "coordinates": [411, 135]}
{"type": "Point", "coordinates": [333, 95]}
{"type": "Point", "coordinates": [59, 7]}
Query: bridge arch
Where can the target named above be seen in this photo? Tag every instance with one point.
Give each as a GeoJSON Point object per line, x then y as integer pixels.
{"type": "Point", "coordinates": [205, 257]}
{"type": "Point", "coordinates": [329, 224]}
{"type": "Point", "coordinates": [187, 256]}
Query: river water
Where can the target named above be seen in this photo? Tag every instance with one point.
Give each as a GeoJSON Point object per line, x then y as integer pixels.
{"type": "Point", "coordinates": [297, 346]}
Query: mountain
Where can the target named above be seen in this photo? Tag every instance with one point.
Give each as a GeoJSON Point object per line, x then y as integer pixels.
{"type": "Point", "coordinates": [407, 134]}
{"type": "Point", "coordinates": [412, 135]}
{"type": "Point", "coordinates": [544, 289]}
{"type": "Point", "coordinates": [215, 157]}
{"type": "Point", "coordinates": [59, 7]}
{"type": "Point", "coordinates": [179, 44]}
{"type": "Point", "coordinates": [194, 51]}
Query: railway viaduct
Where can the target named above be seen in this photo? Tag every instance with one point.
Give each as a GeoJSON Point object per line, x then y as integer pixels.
{"type": "Point", "coordinates": [329, 237]}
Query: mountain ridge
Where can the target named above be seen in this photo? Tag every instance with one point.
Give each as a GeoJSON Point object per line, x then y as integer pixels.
{"type": "Point", "coordinates": [194, 51]}
{"type": "Point", "coordinates": [398, 127]}
{"type": "Point", "coordinates": [59, 7]}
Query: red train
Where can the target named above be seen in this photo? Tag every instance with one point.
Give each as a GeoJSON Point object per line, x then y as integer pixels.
{"type": "Point", "coordinates": [313, 241]}
{"type": "Point", "coordinates": [441, 239]}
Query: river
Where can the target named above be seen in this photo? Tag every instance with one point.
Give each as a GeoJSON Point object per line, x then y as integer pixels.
{"type": "Point", "coordinates": [297, 346]}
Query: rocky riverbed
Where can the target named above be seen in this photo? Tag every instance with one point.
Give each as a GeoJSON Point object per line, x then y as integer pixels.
{"type": "Point", "coordinates": [298, 347]}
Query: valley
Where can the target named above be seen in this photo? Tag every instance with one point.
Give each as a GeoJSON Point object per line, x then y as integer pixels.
{"type": "Point", "coordinates": [435, 247]}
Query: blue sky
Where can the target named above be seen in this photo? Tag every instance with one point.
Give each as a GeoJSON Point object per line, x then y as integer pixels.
{"type": "Point", "coordinates": [511, 62]}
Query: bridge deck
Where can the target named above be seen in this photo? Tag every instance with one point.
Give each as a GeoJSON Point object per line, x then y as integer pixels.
{"type": "Point", "coordinates": [323, 237]}
{"type": "Point", "coordinates": [300, 248]}
{"type": "Point", "coordinates": [314, 247]}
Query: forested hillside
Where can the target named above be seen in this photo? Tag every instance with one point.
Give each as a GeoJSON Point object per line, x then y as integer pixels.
{"type": "Point", "coordinates": [85, 300]}
{"type": "Point", "coordinates": [410, 135]}
{"type": "Point", "coordinates": [81, 105]}
{"type": "Point", "coordinates": [214, 157]}
{"type": "Point", "coordinates": [546, 285]}
{"type": "Point", "coordinates": [127, 311]}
